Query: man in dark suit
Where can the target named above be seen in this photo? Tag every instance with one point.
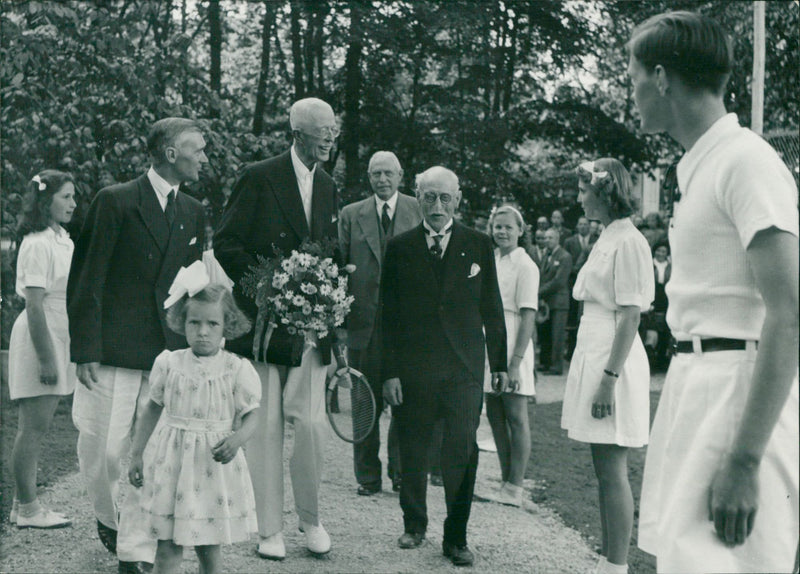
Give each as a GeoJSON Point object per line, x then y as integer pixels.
{"type": "Point", "coordinates": [578, 246]}
{"type": "Point", "coordinates": [557, 223]}
{"type": "Point", "coordinates": [364, 228]}
{"type": "Point", "coordinates": [554, 290]}
{"type": "Point", "coordinates": [279, 202]}
{"type": "Point", "coordinates": [538, 251]}
{"type": "Point", "coordinates": [136, 237]}
{"type": "Point", "coordinates": [439, 293]}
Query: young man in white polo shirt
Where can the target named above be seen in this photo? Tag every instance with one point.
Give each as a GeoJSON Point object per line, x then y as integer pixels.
{"type": "Point", "coordinates": [720, 488]}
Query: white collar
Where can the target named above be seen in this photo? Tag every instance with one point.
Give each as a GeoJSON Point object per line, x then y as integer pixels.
{"type": "Point", "coordinates": [391, 202]}
{"type": "Point", "coordinates": [432, 232]}
{"type": "Point", "coordinates": [160, 185]}
{"type": "Point", "coordinates": [301, 172]}
{"type": "Point", "coordinates": [719, 131]}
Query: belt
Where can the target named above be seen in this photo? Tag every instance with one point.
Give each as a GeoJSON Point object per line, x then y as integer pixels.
{"type": "Point", "coordinates": [711, 345]}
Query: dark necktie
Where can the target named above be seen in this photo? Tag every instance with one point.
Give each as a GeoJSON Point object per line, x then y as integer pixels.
{"type": "Point", "coordinates": [436, 248]}
{"type": "Point", "coordinates": [386, 221]}
{"type": "Point", "coordinates": [169, 210]}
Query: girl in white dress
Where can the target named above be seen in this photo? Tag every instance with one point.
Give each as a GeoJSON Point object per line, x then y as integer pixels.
{"type": "Point", "coordinates": [606, 401]}
{"type": "Point", "coordinates": [40, 372]}
{"type": "Point", "coordinates": [507, 410]}
{"type": "Point", "coordinates": [196, 488]}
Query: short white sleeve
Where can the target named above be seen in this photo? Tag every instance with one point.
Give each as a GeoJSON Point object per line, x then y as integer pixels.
{"type": "Point", "coordinates": [527, 292]}
{"type": "Point", "coordinates": [634, 282]}
{"type": "Point", "coordinates": [757, 191]}
{"type": "Point", "coordinates": [246, 389]}
{"type": "Point", "coordinates": [34, 262]}
{"type": "Point", "coordinates": [158, 377]}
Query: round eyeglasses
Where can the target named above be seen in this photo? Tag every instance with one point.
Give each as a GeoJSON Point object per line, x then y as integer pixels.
{"type": "Point", "coordinates": [430, 197]}
{"type": "Point", "coordinates": [325, 132]}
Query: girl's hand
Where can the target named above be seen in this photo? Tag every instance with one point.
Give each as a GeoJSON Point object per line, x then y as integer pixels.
{"type": "Point", "coordinates": [514, 379]}
{"type": "Point", "coordinates": [48, 372]}
{"type": "Point", "coordinates": [135, 471]}
{"type": "Point", "coordinates": [603, 401]}
{"type": "Point", "coordinates": [226, 449]}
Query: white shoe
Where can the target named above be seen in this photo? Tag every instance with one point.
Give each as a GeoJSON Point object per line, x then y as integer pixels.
{"type": "Point", "coordinates": [317, 539]}
{"type": "Point", "coordinates": [12, 518]}
{"type": "Point", "coordinates": [45, 518]}
{"type": "Point", "coordinates": [272, 547]}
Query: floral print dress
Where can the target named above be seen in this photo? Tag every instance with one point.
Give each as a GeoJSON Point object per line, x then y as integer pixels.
{"type": "Point", "coordinates": [187, 496]}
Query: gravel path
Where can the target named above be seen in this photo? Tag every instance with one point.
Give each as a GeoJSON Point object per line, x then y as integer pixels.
{"type": "Point", "coordinates": [364, 531]}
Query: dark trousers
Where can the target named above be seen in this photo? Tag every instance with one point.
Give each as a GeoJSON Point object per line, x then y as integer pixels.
{"type": "Point", "coordinates": [366, 464]}
{"type": "Point", "coordinates": [456, 399]}
{"type": "Point", "coordinates": [553, 335]}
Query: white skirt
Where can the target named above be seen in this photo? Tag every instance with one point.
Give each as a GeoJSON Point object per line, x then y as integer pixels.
{"type": "Point", "coordinates": [699, 411]}
{"type": "Point", "coordinates": [527, 386]}
{"type": "Point", "coordinates": [629, 424]}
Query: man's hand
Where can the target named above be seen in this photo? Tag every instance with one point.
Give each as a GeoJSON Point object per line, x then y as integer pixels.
{"type": "Point", "coordinates": [87, 374]}
{"type": "Point", "coordinates": [393, 392]}
{"type": "Point", "coordinates": [733, 500]}
{"type": "Point", "coordinates": [499, 382]}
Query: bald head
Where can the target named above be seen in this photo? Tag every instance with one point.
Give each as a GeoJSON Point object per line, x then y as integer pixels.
{"type": "Point", "coordinates": [308, 112]}
{"type": "Point", "coordinates": [552, 236]}
{"type": "Point", "coordinates": [438, 195]}
{"type": "Point", "coordinates": [314, 130]}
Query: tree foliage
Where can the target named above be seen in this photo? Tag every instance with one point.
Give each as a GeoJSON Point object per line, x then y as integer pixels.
{"type": "Point", "coordinates": [507, 93]}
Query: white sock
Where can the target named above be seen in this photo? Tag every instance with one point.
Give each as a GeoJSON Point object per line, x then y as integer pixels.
{"type": "Point", "coordinates": [29, 509]}
{"type": "Point", "coordinates": [606, 567]}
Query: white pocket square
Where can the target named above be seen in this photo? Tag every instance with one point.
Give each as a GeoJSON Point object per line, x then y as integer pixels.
{"type": "Point", "coordinates": [334, 219]}
{"type": "Point", "coordinates": [474, 270]}
{"type": "Point", "coordinates": [193, 241]}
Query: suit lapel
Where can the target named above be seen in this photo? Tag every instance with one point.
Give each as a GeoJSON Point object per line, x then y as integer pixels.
{"type": "Point", "coordinates": [368, 220]}
{"type": "Point", "coordinates": [452, 257]}
{"type": "Point", "coordinates": [151, 213]}
{"type": "Point", "coordinates": [178, 234]}
{"type": "Point", "coordinates": [318, 211]}
{"type": "Point", "coordinates": [403, 217]}
{"type": "Point", "coordinates": [287, 193]}
{"type": "Point", "coordinates": [422, 247]}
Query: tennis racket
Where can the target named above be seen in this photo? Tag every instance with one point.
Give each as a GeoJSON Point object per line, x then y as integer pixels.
{"type": "Point", "coordinates": [350, 406]}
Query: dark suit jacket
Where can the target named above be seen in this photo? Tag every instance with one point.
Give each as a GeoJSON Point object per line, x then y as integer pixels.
{"type": "Point", "coordinates": [554, 283]}
{"type": "Point", "coordinates": [414, 303]}
{"type": "Point", "coordinates": [124, 262]}
{"type": "Point", "coordinates": [577, 252]}
{"type": "Point", "coordinates": [265, 209]}
{"type": "Point", "coordinates": [359, 238]}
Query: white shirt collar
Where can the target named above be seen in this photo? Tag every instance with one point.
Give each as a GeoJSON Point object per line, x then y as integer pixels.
{"type": "Point", "coordinates": [718, 132]}
{"type": "Point", "coordinates": [160, 185]}
{"type": "Point", "coordinates": [391, 202]}
{"type": "Point", "coordinates": [430, 230]}
{"type": "Point", "coordinates": [301, 172]}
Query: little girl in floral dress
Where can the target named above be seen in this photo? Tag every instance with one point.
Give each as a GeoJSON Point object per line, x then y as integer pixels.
{"type": "Point", "coordinates": [196, 488]}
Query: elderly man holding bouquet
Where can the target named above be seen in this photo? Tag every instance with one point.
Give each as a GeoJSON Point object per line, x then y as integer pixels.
{"type": "Point", "coordinates": [278, 203]}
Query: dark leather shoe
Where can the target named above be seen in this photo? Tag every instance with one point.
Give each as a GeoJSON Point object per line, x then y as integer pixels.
{"type": "Point", "coordinates": [368, 490]}
{"type": "Point", "coordinates": [134, 567]}
{"type": "Point", "coordinates": [458, 555]}
{"type": "Point", "coordinates": [436, 480]}
{"type": "Point", "coordinates": [411, 540]}
{"type": "Point", "coordinates": [108, 536]}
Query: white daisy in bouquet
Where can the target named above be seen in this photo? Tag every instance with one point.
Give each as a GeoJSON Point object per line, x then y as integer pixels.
{"type": "Point", "coordinates": [306, 293]}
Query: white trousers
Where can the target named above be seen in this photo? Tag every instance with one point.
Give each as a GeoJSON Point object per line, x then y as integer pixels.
{"type": "Point", "coordinates": [296, 395]}
{"type": "Point", "coordinates": [700, 409]}
{"type": "Point", "coordinates": [105, 418]}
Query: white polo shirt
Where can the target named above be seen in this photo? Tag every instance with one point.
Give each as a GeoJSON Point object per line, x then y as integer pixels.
{"type": "Point", "coordinates": [733, 185]}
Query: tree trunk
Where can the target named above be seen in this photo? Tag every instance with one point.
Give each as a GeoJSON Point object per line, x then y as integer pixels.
{"type": "Point", "coordinates": [511, 60]}
{"type": "Point", "coordinates": [352, 96]}
{"type": "Point", "coordinates": [215, 49]}
{"type": "Point", "coordinates": [261, 90]}
{"type": "Point", "coordinates": [308, 46]}
{"type": "Point", "coordinates": [297, 53]}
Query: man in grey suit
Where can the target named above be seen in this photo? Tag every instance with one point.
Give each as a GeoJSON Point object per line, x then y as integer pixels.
{"type": "Point", "coordinates": [364, 228]}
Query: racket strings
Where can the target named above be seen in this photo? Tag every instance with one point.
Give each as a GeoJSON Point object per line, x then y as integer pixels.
{"type": "Point", "coordinates": [356, 410]}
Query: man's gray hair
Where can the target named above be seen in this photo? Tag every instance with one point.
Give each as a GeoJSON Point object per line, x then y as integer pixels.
{"type": "Point", "coordinates": [554, 231]}
{"type": "Point", "coordinates": [379, 155]}
{"type": "Point", "coordinates": [437, 172]}
{"type": "Point", "coordinates": [301, 111]}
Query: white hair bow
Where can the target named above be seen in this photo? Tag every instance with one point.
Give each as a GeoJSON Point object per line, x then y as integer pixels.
{"type": "Point", "coordinates": [37, 179]}
{"type": "Point", "coordinates": [588, 166]}
{"type": "Point", "coordinates": [189, 281]}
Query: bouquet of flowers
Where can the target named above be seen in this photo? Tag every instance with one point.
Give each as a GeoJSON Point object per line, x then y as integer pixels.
{"type": "Point", "coordinates": [306, 293]}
